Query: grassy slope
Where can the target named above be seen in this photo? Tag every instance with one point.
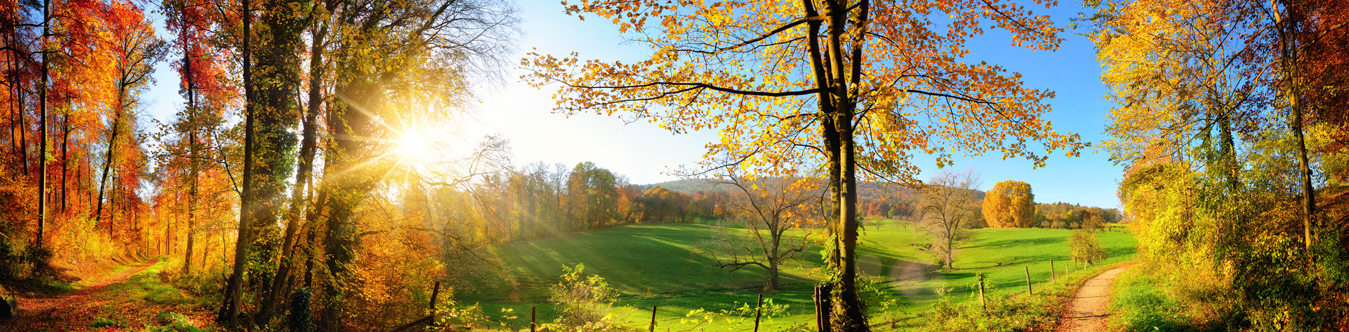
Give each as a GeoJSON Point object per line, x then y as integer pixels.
{"type": "Point", "coordinates": [661, 265]}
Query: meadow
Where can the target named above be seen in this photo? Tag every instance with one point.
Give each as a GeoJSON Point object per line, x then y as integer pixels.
{"type": "Point", "coordinates": [662, 265]}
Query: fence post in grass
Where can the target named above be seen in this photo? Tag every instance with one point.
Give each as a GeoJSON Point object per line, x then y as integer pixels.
{"type": "Point", "coordinates": [533, 313]}
{"type": "Point", "coordinates": [1052, 277]}
{"type": "Point", "coordinates": [822, 308]}
{"type": "Point", "coordinates": [757, 308]}
{"type": "Point", "coordinates": [652, 327]}
{"type": "Point", "coordinates": [982, 304]}
{"type": "Point", "coordinates": [1028, 289]}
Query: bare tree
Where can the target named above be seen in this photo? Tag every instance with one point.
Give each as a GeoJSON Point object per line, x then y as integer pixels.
{"type": "Point", "coordinates": [946, 205]}
{"type": "Point", "coordinates": [767, 208]}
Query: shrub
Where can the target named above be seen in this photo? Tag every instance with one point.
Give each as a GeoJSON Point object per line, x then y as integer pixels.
{"type": "Point", "coordinates": [584, 300]}
{"type": "Point", "coordinates": [1083, 246]}
{"type": "Point", "coordinates": [298, 318]}
{"type": "Point", "coordinates": [173, 322]}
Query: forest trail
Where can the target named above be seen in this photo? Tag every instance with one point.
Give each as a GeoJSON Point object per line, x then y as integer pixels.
{"type": "Point", "coordinates": [126, 298]}
{"type": "Point", "coordinates": [1090, 306]}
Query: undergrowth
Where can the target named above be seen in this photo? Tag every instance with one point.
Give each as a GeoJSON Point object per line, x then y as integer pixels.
{"type": "Point", "coordinates": [173, 322]}
{"type": "Point", "coordinates": [1147, 298]}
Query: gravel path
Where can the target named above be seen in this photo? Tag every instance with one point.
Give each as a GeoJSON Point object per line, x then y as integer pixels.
{"type": "Point", "coordinates": [1089, 308]}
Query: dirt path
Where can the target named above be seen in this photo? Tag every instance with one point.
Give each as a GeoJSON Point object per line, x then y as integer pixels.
{"type": "Point", "coordinates": [1089, 308]}
{"type": "Point", "coordinates": [99, 298]}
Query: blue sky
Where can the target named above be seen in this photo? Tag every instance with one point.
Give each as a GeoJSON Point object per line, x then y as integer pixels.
{"type": "Point", "coordinates": [645, 153]}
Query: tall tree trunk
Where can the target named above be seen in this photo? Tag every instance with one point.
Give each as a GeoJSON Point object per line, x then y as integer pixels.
{"type": "Point", "coordinates": [1288, 60]}
{"type": "Point", "coordinates": [15, 106]}
{"type": "Point", "coordinates": [950, 247]}
{"type": "Point", "coordinates": [107, 162]}
{"type": "Point", "coordinates": [306, 165]}
{"type": "Point", "coordinates": [23, 130]}
{"type": "Point", "coordinates": [1304, 170]}
{"type": "Point", "coordinates": [773, 283]}
{"type": "Point", "coordinates": [851, 318]}
{"type": "Point", "coordinates": [192, 160]}
{"type": "Point", "coordinates": [229, 312]}
{"type": "Point", "coordinates": [828, 131]}
{"type": "Point", "coordinates": [344, 185]}
{"type": "Point", "coordinates": [112, 207]}
{"type": "Point", "coordinates": [65, 160]}
{"type": "Point", "coordinates": [42, 131]}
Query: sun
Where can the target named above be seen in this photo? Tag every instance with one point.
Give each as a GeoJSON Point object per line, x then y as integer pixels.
{"type": "Point", "coordinates": [414, 146]}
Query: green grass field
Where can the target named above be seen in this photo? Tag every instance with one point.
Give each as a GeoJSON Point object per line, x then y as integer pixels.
{"type": "Point", "coordinates": [661, 265]}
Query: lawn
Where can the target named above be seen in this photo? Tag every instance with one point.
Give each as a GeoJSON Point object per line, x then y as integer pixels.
{"type": "Point", "coordinates": [661, 265]}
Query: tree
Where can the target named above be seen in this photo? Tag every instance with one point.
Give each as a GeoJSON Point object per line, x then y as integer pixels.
{"type": "Point", "coordinates": [664, 205]}
{"type": "Point", "coordinates": [946, 207]}
{"type": "Point", "coordinates": [829, 84]}
{"type": "Point", "coordinates": [1009, 204]}
{"type": "Point", "coordinates": [229, 309]}
{"type": "Point", "coordinates": [135, 50]}
{"type": "Point", "coordinates": [1082, 245]}
{"type": "Point", "coordinates": [767, 208]}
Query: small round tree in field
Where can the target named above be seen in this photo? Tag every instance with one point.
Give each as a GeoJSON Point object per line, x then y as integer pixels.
{"type": "Point", "coordinates": [1010, 204]}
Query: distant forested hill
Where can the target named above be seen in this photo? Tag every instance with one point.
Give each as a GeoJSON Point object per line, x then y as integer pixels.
{"type": "Point", "coordinates": [877, 200]}
{"type": "Point", "coordinates": [867, 191]}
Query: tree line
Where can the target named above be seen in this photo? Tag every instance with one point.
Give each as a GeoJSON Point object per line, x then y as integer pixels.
{"type": "Point", "coordinates": [538, 201]}
{"type": "Point", "coordinates": [1230, 122]}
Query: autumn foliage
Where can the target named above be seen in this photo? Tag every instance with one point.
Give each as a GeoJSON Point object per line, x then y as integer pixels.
{"type": "Point", "coordinates": [1225, 118]}
{"type": "Point", "coordinates": [1009, 204]}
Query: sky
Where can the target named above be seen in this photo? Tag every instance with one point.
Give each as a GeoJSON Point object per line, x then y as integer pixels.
{"type": "Point", "coordinates": [647, 154]}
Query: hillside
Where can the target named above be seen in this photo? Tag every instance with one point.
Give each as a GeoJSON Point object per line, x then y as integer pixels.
{"type": "Point", "coordinates": [873, 191]}
{"type": "Point", "coordinates": [685, 279]}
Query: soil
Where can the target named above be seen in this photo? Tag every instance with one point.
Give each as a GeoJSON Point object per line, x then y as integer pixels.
{"type": "Point", "coordinates": [1089, 309]}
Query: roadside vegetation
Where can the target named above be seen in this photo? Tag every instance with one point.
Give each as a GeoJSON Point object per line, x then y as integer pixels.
{"type": "Point", "coordinates": [1010, 311]}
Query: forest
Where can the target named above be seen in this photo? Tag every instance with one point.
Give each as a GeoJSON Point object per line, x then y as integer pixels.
{"type": "Point", "coordinates": [304, 183]}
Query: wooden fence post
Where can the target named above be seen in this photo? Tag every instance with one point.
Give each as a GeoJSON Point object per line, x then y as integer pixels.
{"type": "Point", "coordinates": [1052, 277]}
{"type": "Point", "coordinates": [533, 315]}
{"type": "Point", "coordinates": [822, 308]}
{"type": "Point", "coordinates": [982, 304]}
{"type": "Point", "coordinates": [757, 312]}
{"type": "Point", "coordinates": [1028, 289]}
{"type": "Point", "coordinates": [652, 327]}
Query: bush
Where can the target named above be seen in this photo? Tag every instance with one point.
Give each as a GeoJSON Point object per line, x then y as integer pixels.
{"type": "Point", "coordinates": [1083, 247]}
{"type": "Point", "coordinates": [298, 318]}
{"type": "Point", "coordinates": [9, 260]}
{"type": "Point", "coordinates": [584, 300]}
